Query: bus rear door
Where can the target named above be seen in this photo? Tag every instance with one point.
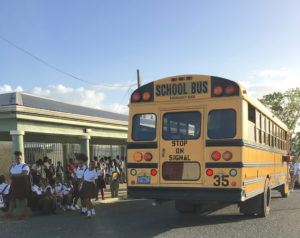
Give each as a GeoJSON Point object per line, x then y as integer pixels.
{"type": "Point", "coordinates": [182, 146]}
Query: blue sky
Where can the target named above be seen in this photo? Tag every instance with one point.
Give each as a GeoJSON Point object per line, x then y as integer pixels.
{"type": "Point", "coordinates": [254, 42]}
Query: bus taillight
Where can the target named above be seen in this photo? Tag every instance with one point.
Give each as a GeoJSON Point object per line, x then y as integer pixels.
{"type": "Point", "coordinates": [216, 155]}
{"type": "Point", "coordinates": [229, 90]}
{"type": "Point", "coordinates": [146, 96]}
{"type": "Point", "coordinates": [227, 155]}
{"type": "Point", "coordinates": [153, 172]}
{"type": "Point", "coordinates": [209, 172]}
{"type": "Point", "coordinates": [136, 97]}
{"type": "Point", "coordinates": [138, 157]}
{"type": "Point", "coordinates": [218, 91]}
{"type": "Point", "coordinates": [147, 156]}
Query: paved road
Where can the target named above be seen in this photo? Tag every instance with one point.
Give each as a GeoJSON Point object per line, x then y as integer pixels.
{"type": "Point", "coordinates": [140, 219]}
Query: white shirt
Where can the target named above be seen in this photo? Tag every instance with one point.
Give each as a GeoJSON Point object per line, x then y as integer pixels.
{"type": "Point", "coordinates": [59, 188]}
{"type": "Point", "coordinates": [80, 171]}
{"type": "Point", "coordinates": [114, 170]}
{"type": "Point", "coordinates": [36, 189]}
{"type": "Point", "coordinates": [296, 167]}
{"type": "Point", "coordinates": [66, 189]}
{"type": "Point", "coordinates": [51, 189]}
{"type": "Point", "coordinates": [90, 176]}
{"type": "Point", "coordinates": [2, 186]}
{"type": "Point", "coordinates": [18, 168]}
{"type": "Point", "coordinates": [100, 172]}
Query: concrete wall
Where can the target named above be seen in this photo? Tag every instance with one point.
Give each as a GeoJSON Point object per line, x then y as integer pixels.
{"type": "Point", "coordinates": [6, 158]}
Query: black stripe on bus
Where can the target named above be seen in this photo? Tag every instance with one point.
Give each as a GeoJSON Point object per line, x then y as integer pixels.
{"type": "Point", "coordinates": [142, 145]}
{"type": "Point", "coordinates": [142, 165]}
{"type": "Point", "coordinates": [240, 165]}
{"type": "Point", "coordinates": [241, 142]}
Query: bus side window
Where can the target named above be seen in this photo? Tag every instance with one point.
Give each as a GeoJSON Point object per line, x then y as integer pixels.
{"type": "Point", "coordinates": [251, 123]}
{"type": "Point", "coordinates": [258, 127]}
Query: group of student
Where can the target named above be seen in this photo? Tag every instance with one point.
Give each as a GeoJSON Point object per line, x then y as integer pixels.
{"type": "Point", "coordinates": [50, 194]}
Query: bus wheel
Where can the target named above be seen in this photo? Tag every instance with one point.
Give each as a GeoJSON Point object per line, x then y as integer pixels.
{"type": "Point", "coordinates": [265, 200]}
{"type": "Point", "coordinates": [184, 206]}
{"type": "Point", "coordinates": [284, 190]}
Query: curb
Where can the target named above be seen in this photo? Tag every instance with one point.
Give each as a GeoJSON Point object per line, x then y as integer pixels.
{"type": "Point", "coordinates": [112, 200]}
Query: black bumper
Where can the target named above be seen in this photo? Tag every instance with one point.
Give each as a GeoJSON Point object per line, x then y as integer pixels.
{"type": "Point", "coordinates": [175, 193]}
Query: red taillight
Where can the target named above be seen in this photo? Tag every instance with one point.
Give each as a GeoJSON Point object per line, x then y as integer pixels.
{"type": "Point", "coordinates": [218, 91]}
{"type": "Point", "coordinates": [146, 96]}
{"type": "Point", "coordinates": [147, 156]}
{"type": "Point", "coordinates": [229, 90]}
{"type": "Point", "coordinates": [209, 172]}
{"type": "Point", "coordinates": [153, 172]}
{"type": "Point", "coordinates": [216, 155]}
{"type": "Point", "coordinates": [132, 182]}
{"type": "Point", "coordinates": [136, 97]}
{"type": "Point", "coordinates": [233, 183]}
{"type": "Point", "coordinates": [227, 155]}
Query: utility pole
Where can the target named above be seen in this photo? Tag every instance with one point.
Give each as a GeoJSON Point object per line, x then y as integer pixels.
{"type": "Point", "coordinates": [138, 78]}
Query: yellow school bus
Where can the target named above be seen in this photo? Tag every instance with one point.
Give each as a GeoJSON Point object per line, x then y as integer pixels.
{"type": "Point", "coordinates": [204, 142]}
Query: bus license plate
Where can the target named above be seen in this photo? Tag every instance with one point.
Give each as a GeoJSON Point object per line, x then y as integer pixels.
{"type": "Point", "coordinates": [143, 179]}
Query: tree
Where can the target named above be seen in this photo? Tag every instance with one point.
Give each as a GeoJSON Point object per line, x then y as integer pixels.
{"type": "Point", "coordinates": [286, 106]}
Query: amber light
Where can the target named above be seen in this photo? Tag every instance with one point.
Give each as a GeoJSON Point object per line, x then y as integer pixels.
{"type": "Point", "coordinates": [138, 157]}
{"type": "Point", "coordinates": [227, 155]}
{"type": "Point", "coordinates": [136, 97]}
{"type": "Point", "coordinates": [153, 172]}
{"type": "Point", "coordinates": [209, 172]}
{"type": "Point", "coordinates": [216, 155]}
{"type": "Point", "coordinates": [218, 91]}
{"type": "Point", "coordinates": [229, 90]}
{"type": "Point", "coordinates": [146, 96]}
{"type": "Point", "coordinates": [148, 156]}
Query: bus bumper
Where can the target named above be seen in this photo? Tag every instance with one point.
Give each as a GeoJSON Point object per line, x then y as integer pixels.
{"type": "Point", "coordinates": [176, 193]}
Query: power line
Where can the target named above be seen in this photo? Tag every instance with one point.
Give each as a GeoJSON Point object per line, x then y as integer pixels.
{"type": "Point", "coordinates": [56, 68]}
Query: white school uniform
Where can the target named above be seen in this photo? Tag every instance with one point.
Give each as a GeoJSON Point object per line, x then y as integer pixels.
{"type": "Point", "coordinates": [296, 167]}
{"type": "Point", "coordinates": [80, 171]}
{"type": "Point", "coordinates": [2, 187]}
{"type": "Point", "coordinates": [50, 188]}
{"type": "Point", "coordinates": [19, 168]}
{"type": "Point", "coordinates": [36, 189]}
{"type": "Point", "coordinates": [67, 189]}
{"type": "Point", "coordinates": [90, 176]}
{"type": "Point", "coordinates": [59, 189]}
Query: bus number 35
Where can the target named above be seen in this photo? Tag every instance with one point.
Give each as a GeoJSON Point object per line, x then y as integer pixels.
{"type": "Point", "coordinates": [221, 179]}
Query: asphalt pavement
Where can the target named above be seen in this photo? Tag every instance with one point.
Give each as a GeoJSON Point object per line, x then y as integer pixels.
{"type": "Point", "coordinates": [137, 218]}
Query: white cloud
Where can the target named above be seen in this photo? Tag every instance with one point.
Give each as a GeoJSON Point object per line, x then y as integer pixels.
{"type": "Point", "coordinates": [268, 81]}
{"type": "Point", "coordinates": [78, 96]}
{"type": "Point", "coordinates": [7, 89]}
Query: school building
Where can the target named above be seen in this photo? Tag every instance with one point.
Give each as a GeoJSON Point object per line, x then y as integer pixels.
{"type": "Point", "coordinates": [44, 127]}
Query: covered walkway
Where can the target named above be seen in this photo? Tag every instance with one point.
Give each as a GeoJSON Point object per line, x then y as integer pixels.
{"type": "Point", "coordinates": [27, 118]}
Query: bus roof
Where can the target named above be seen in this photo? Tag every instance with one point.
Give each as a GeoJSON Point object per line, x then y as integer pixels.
{"type": "Point", "coordinates": [195, 86]}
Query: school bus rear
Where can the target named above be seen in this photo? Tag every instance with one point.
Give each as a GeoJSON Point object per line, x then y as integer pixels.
{"type": "Point", "coordinates": [178, 147]}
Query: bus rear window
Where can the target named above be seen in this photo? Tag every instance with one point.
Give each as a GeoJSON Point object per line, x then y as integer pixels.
{"type": "Point", "coordinates": [181, 125]}
{"type": "Point", "coordinates": [221, 124]}
{"type": "Point", "coordinates": [144, 127]}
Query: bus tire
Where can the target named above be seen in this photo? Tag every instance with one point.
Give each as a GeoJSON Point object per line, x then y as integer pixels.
{"type": "Point", "coordinates": [284, 190]}
{"type": "Point", "coordinates": [184, 206]}
{"type": "Point", "coordinates": [265, 200]}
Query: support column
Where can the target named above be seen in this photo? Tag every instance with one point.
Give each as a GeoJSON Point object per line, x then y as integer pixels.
{"type": "Point", "coordinates": [85, 146]}
{"type": "Point", "coordinates": [65, 158]}
{"type": "Point", "coordinates": [18, 141]}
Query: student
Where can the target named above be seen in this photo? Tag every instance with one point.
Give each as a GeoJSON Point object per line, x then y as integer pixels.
{"type": "Point", "coordinates": [114, 185]}
{"type": "Point", "coordinates": [296, 169]}
{"type": "Point", "coordinates": [101, 179]}
{"type": "Point", "coordinates": [59, 171]}
{"type": "Point", "coordinates": [20, 186]}
{"type": "Point", "coordinates": [4, 190]}
{"type": "Point", "coordinates": [37, 194]}
{"type": "Point", "coordinates": [59, 194]}
{"type": "Point", "coordinates": [88, 188]}
{"type": "Point", "coordinates": [49, 202]}
{"type": "Point", "coordinates": [78, 180]}
{"type": "Point", "coordinates": [70, 169]}
{"type": "Point", "coordinates": [68, 195]}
